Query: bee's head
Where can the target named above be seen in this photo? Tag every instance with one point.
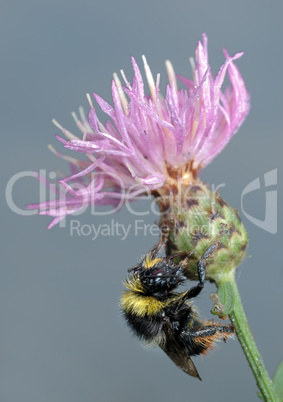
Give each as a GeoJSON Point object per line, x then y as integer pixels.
{"type": "Point", "coordinates": [159, 274]}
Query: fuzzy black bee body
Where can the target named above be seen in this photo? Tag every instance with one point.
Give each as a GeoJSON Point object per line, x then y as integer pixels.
{"type": "Point", "coordinates": [159, 315]}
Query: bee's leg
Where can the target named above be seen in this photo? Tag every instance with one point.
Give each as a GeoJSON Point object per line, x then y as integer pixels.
{"type": "Point", "coordinates": [157, 248]}
{"type": "Point", "coordinates": [203, 338]}
{"type": "Point", "coordinates": [214, 329]}
{"type": "Point", "coordinates": [193, 292]}
{"type": "Point", "coordinates": [171, 257]}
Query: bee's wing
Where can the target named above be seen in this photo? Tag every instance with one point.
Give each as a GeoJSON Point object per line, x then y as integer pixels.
{"type": "Point", "coordinates": [178, 354]}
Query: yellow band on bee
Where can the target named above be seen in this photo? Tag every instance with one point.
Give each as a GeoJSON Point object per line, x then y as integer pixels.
{"type": "Point", "coordinates": [139, 304]}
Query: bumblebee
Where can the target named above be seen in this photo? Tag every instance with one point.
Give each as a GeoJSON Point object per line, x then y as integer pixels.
{"type": "Point", "coordinates": [158, 315]}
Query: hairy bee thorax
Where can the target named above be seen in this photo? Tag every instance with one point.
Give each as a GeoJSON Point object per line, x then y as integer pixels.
{"type": "Point", "coordinates": [137, 300]}
{"type": "Point", "coordinates": [136, 303]}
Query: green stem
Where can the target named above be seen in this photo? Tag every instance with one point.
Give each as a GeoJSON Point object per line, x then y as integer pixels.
{"type": "Point", "coordinates": [243, 332]}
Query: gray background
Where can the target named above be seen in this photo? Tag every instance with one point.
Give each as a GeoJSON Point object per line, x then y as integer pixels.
{"type": "Point", "coordinates": [61, 336]}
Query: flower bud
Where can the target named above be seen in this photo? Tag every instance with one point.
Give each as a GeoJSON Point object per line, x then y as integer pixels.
{"type": "Point", "coordinates": [197, 218]}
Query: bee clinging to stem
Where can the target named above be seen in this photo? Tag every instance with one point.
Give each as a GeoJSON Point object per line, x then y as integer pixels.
{"type": "Point", "coordinates": [159, 315]}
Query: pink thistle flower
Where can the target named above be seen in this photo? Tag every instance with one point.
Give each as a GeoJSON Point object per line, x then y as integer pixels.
{"type": "Point", "coordinates": [148, 137]}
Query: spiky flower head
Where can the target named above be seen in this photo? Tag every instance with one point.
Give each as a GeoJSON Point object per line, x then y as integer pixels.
{"type": "Point", "coordinates": [151, 141]}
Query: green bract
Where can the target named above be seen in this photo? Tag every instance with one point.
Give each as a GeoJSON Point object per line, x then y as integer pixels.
{"type": "Point", "coordinates": [196, 218]}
